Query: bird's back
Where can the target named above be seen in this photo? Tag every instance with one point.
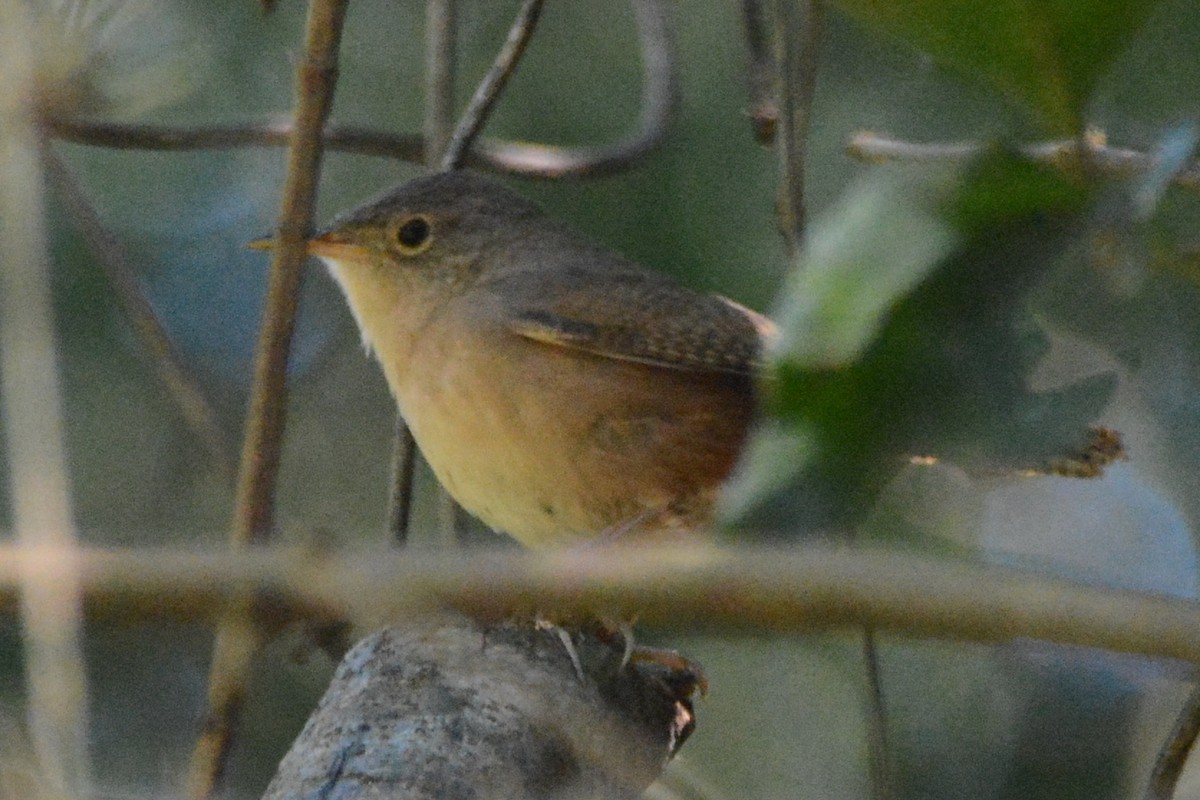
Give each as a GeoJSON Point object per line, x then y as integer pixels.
{"type": "Point", "coordinates": [559, 406]}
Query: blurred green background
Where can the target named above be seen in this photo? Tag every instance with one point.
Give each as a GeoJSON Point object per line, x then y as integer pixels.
{"type": "Point", "coordinates": [786, 716]}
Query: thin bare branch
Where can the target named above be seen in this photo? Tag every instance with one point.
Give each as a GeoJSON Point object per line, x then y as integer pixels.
{"type": "Point", "coordinates": [31, 415]}
{"type": "Point", "coordinates": [493, 84]}
{"type": "Point", "coordinates": [460, 140]}
{"type": "Point", "coordinates": [452, 520]}
{"type": "Point", "coordinates": [169, 364]}
{"type": "Point", "coordinates": [441, 34]}
{"type": "Point", "coordinates": [237, 641]}
{"type": "Point", "coordinates": [1168, 765]}
{"type": "Point", "coordinates": [801, 588]}
{"type": "Point", "coordinates": [260, 454]}
{"type": "Point", "coordinates": [1111, 161]}
{"type": "Point", "coordinates": [404, 467]}
{"type": "Point", "coordinates": [660, 93]}
{"type": "Point", "coordinates": [798, 27]}
{"type": "Point", "coordinates": [761, 72]}
{"type": "Point", "coordinates": [166, 138]}
{"type": "Point", "coordinates": [660, 102]}
{"type": "Point", "coordinates": [879, 762]}
{"type": "Point", "coordinates": [441, 65]}
{"type": "Point", "coordinates": [876, 149]}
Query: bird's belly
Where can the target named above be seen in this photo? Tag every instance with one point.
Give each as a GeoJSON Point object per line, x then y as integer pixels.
{"type": "Point", "coordinates": [553, 446]}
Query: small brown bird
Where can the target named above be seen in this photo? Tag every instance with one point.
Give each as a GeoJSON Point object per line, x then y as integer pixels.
{"type": "Point", "coordinates": [558, 391]}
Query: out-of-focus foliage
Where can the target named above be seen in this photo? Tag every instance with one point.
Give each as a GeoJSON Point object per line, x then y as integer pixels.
{"type": "Point", "coordinates": [111, 59]}
{"type": "Point", "coordinates": [985, 315]}
{"type": "Point", "coordinates": [1045, 56]}
{"type": "Point", "coordinates": [906, 331]}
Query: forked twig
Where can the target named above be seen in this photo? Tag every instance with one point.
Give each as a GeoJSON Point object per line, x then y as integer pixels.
{"type": "Point", "coordinates": [237, 640]}
{"type": "Point", "coordinates": [460, 140]}
{"type": "Point", "coordinates": [441, 60]}
{"type": "Point", "coordinates": [169, 364]}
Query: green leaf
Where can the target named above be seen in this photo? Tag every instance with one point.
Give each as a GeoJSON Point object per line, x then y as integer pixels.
{"type": "Point", "coordinates": [880, 241]}
{"type": "Point", "coordinates": [1002, 188]}
{"type": "Point", "coordinates": [1047, 55]}
{"type": "Point", "coordinates": [906, 331]}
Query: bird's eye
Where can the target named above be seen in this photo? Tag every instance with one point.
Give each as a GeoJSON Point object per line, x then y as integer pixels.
{"type": "Point", "coordinates": [414, 235]}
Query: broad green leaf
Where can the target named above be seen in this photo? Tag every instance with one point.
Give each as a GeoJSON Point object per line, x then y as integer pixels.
{"type": "Point", "coordinates": [906, 331]}
{"type": "Point", "coordinates": [1047, 55]}
{"type": "Point", "coordinates": [774, 456]}
{"type": "Point", "coordinates": [879, 242]}
{"type": "Point", "coordinates": [1003, 188]}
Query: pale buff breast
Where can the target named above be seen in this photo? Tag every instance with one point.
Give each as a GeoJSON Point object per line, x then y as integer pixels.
{"type": "Point", "coordinates": [553, 445]}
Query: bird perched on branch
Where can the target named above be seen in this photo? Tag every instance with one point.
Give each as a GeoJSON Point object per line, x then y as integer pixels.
{"type": "Point", "coordinates": [558, 391]}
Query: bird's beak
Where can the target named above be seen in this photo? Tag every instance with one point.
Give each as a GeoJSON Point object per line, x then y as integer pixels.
{"type": "Point", "coordinates": [327, 244]}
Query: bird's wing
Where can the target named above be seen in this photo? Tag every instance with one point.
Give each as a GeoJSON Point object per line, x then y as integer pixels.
{"type": "Point", "coordinates": [643, 317]}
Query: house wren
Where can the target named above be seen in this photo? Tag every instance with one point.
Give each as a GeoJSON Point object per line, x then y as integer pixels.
{"type": "Point", "coordinates": [558, 391]}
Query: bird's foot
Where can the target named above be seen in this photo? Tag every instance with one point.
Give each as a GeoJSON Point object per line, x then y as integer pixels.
{"type": "Point", "coordinates": [685, 675]}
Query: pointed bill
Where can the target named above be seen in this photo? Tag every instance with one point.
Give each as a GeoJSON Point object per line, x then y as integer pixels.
{"type": "Point", "coordinates": [328, 244]}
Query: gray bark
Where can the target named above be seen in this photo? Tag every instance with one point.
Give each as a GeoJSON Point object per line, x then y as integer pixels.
{"type": "Point", "coordinates": [457, 710]}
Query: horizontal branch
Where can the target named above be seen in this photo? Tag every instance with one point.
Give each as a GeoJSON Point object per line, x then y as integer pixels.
{"type": "Point", "coordinates": [1112, 161]}
{"type": "Point", "coordinates": [803, 588]}
{"type": "Point", "coordinates": [167, 138]}
{"type": "Point", "coordinates": [660, 93]}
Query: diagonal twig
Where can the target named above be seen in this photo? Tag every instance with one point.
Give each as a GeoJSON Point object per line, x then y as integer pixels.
{"type": "Point", "coordinates": [488, 92]}
{"type": "Point", "coordinates": [660, 103]}
{"type": "Point", "coordinates": [879, 767]}
{"type": "Point", "coordinates": [403, 473]}
{"type": "Point", "coordinates": [237, 639]}
{"type": "Point", "coordinates": [1171, 759]}
{"type": "Point", "coordinates": [193, 405]}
